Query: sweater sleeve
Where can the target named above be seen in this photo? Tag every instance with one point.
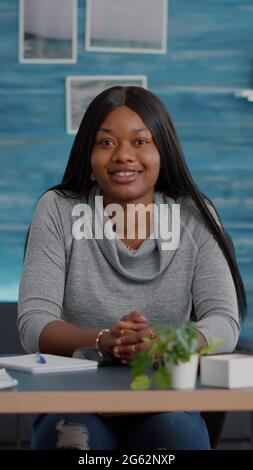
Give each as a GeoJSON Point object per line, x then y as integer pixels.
{"type": "Point", "coordinates": [214, 295]}
{"type": "Point", "coordinates": [42, 283]}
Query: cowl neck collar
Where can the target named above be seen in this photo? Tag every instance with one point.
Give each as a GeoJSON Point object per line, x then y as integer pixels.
{"type": "Point", "coordinates": [144, 264]}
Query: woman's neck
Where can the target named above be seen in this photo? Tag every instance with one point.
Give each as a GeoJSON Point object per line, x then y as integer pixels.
{"type": "Point", "coordinates": [134, 220]}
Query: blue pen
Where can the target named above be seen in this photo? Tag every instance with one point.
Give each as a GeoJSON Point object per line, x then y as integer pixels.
{"type": "Point", "coordinates": [40, 359]}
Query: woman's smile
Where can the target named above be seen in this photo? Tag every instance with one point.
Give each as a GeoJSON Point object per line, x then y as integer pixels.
{"type": "Point", "coordinates": [124, 176]}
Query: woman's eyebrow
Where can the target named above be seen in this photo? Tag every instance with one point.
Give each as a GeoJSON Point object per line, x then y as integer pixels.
{"type": "Point", "coordinates": [105, 129]}
{"type": "Point", "coordinates": [141, 130]}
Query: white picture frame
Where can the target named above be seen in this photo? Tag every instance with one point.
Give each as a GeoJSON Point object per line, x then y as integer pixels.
{"type": "Point", "coordinates": [80, 91]}
{"type": "Point", "coordinates": [130, 26]}
{"type": "Point", "coordinates": [47, 31]}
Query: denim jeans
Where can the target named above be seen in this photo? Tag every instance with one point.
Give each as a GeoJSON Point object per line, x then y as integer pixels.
{"type": "Point", "coordinates": [172, 431]}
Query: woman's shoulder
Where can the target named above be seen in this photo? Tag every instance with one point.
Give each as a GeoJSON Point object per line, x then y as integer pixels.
{"type": "Point", "coordinates": [54, 209]}
{"type": "Point", "coordinates": [190, 210]}
{"type": "Point", "coordinates": [54, 198]}
{"type": "Point", "coordinates": [193, 222]}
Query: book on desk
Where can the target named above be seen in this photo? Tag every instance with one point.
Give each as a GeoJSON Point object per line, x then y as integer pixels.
{"type": "Point", "coordinates": [46, 363]}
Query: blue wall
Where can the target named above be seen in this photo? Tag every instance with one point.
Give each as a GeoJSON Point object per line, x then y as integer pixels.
{"type": "Point", "coordinates": [209, 57]}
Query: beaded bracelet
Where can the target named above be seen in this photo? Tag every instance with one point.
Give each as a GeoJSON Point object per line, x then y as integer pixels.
{"type": "Point", "coordinates": [97, 342]}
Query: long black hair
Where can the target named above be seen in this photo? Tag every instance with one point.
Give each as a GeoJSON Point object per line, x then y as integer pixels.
{"type": "Point", "coordinates": [174, 177]}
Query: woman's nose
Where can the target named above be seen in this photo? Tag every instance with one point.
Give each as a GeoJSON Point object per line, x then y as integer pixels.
{"type": "Point", "coordinates": [123, 153]}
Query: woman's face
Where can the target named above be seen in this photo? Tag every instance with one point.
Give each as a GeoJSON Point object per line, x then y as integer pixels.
{"type": "Point", "coordinates": [125, 160]}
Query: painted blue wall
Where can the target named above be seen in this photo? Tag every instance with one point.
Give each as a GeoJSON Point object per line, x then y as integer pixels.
{"type": "Point", "coordinates": [209, 56]}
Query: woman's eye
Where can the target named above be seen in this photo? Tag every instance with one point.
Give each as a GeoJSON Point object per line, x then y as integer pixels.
{"type": "Point", "coordinates": [105, 142]}
{"type": "Point", "coordinates": [141, 142]}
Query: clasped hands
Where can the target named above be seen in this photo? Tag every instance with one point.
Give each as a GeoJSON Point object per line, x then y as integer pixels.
{"type": "Point", "coordinates": [125, 338]}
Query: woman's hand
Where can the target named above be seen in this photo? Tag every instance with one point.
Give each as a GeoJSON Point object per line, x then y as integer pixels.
{"type": "Point", "coordinates": [131, 329]}
{"type": "Point", "coordinates": [129, 323]}
{"type": "Point", "coordinates": [130, 340]}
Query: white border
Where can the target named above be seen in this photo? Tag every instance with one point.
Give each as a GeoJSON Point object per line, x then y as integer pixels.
{"type": "Point", "coordinates": [89, 47]}
{"type": "Point", "coordinates": [23, 60]}
{"type": "Point", "coordinates": [95, 78]}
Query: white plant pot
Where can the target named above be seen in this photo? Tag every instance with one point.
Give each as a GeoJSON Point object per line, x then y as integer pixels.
{"type": "Point", "coordinates": [185, 373]}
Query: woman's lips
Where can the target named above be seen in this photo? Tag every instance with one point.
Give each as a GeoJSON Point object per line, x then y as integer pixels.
{"type": "Point", "coordinates": [125, 177]}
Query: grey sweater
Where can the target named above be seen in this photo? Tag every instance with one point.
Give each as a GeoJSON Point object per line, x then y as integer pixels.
{"type": "Point", "coordinates": [92, 283]}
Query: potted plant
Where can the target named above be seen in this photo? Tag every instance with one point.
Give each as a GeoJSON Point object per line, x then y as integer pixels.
{"type": "Point", "coordinates": [171, 360]}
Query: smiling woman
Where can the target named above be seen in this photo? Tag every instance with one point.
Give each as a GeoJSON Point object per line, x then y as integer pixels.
{"type": "Point", "coordinates": [126, 163]}
{"type": "Point", "coordinates": [125, 160]}
{"type": "Point", "coordinates": [106, 294]}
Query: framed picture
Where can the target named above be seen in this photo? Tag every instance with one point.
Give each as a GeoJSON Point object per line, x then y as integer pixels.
{"type": "Point", "coordinates": [80, 91]}
{"type": "Point", "coordinates": [127, 26]}
{"type": "Point", "coordinates": [47, 31]}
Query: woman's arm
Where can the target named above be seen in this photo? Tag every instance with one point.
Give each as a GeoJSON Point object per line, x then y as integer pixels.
{"type": "Point", "coordinates": [42, 285]}
{"type": "Point", "coordinates": [214, 295]}
{"type": "Point", "coordinates": [62, 338]}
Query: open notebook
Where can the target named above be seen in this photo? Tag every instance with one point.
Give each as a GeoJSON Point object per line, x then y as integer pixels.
{"type": "Point", "coordinates": [51, 363]}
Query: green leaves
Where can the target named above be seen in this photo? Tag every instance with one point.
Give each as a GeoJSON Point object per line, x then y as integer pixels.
{"type": "Point", "coordinates": [211, 347]}
{"type": "Point", "coordinates": [141, 362]}
{"type": "Point", "coordinates": [178, 344]}
{"type": "Point", "coordinates": [172, 345]}
{"type": "Point", "coordinates": [141, 382]}
{"type": "Point", "coordinates": [162, 378]}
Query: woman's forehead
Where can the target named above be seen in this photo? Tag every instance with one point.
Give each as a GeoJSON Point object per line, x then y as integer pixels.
{"type": "Point", "coordinates": [123, 117]}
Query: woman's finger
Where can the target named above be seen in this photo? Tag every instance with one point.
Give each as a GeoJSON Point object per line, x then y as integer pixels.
{"type": "Point", "coordinates": [128, 339]}
{"type": "Point", "coordinates": [135, 317]}
{"type": "Point", "coordinates": [128, 352]}
{"type": "Point", "coordinates": [142, 326]}
{"type": "Point", "coordinates": [122, 328]}
{"type": "Point", "coordinates": [125, 352]}
{"type": "Point", "coordinates": [136, 337]}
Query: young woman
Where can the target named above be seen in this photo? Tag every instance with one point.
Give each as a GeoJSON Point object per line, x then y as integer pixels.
{"type": "Point", "coordinates": [107, 292]}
